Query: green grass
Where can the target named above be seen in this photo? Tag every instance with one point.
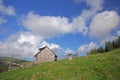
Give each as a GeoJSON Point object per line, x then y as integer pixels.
{"type": "Point", "coordinates": [4, 65]}
{"type": "Point", "coordinates": [9, 59]}
{"type": "Point", "coordinates": [92, 67]}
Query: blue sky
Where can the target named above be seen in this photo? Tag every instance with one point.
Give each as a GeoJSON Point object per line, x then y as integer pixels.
{"type": "Point", "coordinates": [66, 26]}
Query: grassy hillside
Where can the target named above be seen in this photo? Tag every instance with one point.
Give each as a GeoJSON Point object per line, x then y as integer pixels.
{"type": "Point", "coordinates": [93, 67]}
{"type": "Point", "coordinates": [9, 59]}
{"type": "Point", "coordinates": [4, 65]}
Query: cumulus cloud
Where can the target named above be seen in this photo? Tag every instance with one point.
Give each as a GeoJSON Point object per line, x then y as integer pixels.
{"type": "Point", "coordinates": [87, 48]}
{"type": "Point", "coordinates": [50, 26]}
{"type": "Point", "coordinates": [80, 25]}
{"type": "Point", "coordinates": [28, 37]}
{"type": "Point", "coordinates": [95, 5]}
{"type": "Point", "coordinates": [46, 26]}
{"type": "Point", "coordinates": [25, 45]}
{"type": "Point", "coordinates": [16, 49]}
{"type": "Point", "coordinates": [81, 21]}
{"type": "Point", "coordinates": [103, 23]}
{"type": "Point", "coordinates": [19, 46]}
{"type": "Point", "coordinates": [5, 10]}
{"type": "Point", "coordinates": [86, 15]}
{"type": "Point", "coordinates": [52, 46]}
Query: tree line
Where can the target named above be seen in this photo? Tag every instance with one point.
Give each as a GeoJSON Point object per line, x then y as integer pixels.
{"type": "Point", "coordinates": [110, 45]}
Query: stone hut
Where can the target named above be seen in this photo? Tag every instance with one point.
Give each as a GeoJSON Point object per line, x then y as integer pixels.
{"type": "Point", "coordinates": [45, 54]}
{"type": "Point", "coordinates": [69, 56]}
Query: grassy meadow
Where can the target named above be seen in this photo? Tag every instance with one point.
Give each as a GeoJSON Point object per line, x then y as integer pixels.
{"type": "Point", "coordinates": [104, 66]}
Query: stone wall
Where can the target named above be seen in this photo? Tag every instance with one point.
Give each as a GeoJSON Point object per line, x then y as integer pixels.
{"type": "Point", "coordinates": [45, 55]}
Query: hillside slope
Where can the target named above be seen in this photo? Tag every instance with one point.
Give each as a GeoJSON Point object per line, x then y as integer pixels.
{"type": "Point", "coordinates": [4, 62]}
{"type": "Point", "coordinates": [93, 67]}
{"type": "Point", "coordinates": [9, 59]}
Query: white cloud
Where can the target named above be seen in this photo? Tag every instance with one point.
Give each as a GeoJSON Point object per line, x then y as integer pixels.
{"type": "Point", "coordinates": [2, 20]}
{"type": "Point", "coordinates": [9, 10]}
{"type": "Point", "coordinates": [95, 5]}
{"type": "Point", "coordinates": [87, 48]}
{"type": "Point", "coordinates": [28, 37]}
{"type": "Point", "coordinates": [17, 50]}
{"type": "Point", "coordinates": [19, 46]}
{"type": "Point", "coordinates": [52, 46]}
{"type": "Point", "coordinates": [81, 21]}
{"type": "Point", "coordinates": [50, 26]}
{"type": "Point", "coordinates": [46, 26]}
{"type": "Point", "coordinates": [69, 51]}
{"type": "Point", "coordinates": [118, 33]}
{"type": "Point", "coordinates": [92, 3]}
{"type": "Point", "coordinates": [103, 23]}
{"type": "Point", "coordinates": [80, 25]}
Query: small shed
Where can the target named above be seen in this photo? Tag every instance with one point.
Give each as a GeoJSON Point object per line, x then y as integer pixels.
{"type": "Point", "coordinates": [45, 54]}
{"type": "Point", "coordinates": [69, 56]}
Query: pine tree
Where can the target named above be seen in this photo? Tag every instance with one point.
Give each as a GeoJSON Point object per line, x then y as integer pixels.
{"type": "Point", "coordinates": [108, 46]}
{"type": "Point", "coordinates": [118, 41]}
{"type": "Point", "coordinates": [100, 49]}
{"type": "Point", "coordinates": [114, 44]}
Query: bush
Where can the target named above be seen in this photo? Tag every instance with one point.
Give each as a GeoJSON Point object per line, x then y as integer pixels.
{"type": "Point", "coordinates": [3, 67]}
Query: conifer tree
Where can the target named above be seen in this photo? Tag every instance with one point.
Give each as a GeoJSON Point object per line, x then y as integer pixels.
{"type": "Point", "coordinates": [118, 41]}
{"type": "Point", "coordinates": [108, 46]}
{"type": "Point", "coordinates": [100, 49]}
